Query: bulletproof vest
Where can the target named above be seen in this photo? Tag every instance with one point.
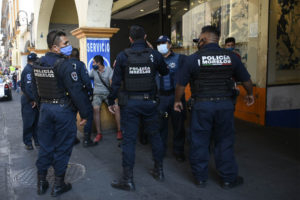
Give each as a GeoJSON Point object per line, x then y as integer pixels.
{"type": "Point", "coordinates": [167, 82]}
{"type": "Point", "coordinates": [46, 81]}
{"type": "Point", "coordinates": [139, 71]}
{"type": "Point", "coordinates": [213, 77]}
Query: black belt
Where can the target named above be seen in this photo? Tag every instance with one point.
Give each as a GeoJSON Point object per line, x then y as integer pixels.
{"type": "Point", "coordinates": [212, 98]}
{"type": "Point", "coordinates": [53, 101]}
{"type": "Point", "coordinates": [166, 92]}
{"type": "Point", "coordinates": [141, 97]}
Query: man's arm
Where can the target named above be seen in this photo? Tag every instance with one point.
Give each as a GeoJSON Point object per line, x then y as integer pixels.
{"type": "Point", "coordinates": [162, 67]}
{"type": "Point", "coordinates": [249, 89]}
{"type": "Point", "coordinates": [85, 78]}
{"type": "Point", "coordinates": [116, 81]}
{"type": "Point", "coordinates": [241, 74]}
{"type": "Point", "coordinates": [74, 87]}
{"type": "Point", "coordinates": [179, 91]}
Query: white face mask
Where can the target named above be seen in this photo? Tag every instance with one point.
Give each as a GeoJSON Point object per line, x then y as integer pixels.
{"type": "Point", "coordinates": [163, 48]}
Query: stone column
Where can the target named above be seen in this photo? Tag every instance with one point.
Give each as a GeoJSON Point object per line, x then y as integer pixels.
{"type": "Point", "coordinates": [95, 41]}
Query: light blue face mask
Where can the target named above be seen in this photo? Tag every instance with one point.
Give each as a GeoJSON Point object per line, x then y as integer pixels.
{"type": "Point", "coordinates": [163, 48]}
{"type": "Point", "coordinates": [230, 48]}
{"type": "Point", "coordinates": [67, 50]}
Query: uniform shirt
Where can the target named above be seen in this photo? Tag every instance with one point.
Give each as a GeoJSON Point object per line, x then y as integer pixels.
{"type": "Point", "coordinates": [106, 76]}
{"type": "Point", "coordinates": [190, 66]}
{"type": "Point", "coordinates": [26, 84]}
{"type": "Point", "coordinates": [120, 66]}
{"type": "Point", "coordinates": [174, 62]}
{"type": "Point", "coordinates": [67, 80]}
{"type": "Point", "coordinates": [83, 74]}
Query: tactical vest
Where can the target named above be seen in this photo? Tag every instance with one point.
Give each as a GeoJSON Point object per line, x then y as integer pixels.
{"type": "Point", "coordinates": [167, 82]}
{"type": "Point", "coordinates": [139, 71]}
{"type": "Point", "coordinates": [46, 81]}
{"type": "Point", "coordinates": [213, 77]}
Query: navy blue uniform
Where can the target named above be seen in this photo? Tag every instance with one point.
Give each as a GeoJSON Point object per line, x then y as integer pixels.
{"type": "Point", "coordinates": [57, 122]}
{"type": "Point", "coordinates": [167, 86]}
{"type": "Point", "coordinates": [85, 81]}
{"type": "Point", "coordinates": [29, 115]}
{"type": "Point", "coordinates": [136, 108]}
{"type": "Point", "coordinates": [212, 117]}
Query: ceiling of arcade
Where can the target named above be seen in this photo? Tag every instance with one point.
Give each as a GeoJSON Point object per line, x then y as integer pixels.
{"type": "Point", "coordinates": [64, 12]}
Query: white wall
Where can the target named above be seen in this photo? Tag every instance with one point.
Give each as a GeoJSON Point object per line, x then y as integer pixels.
{"type": "Point", "coordinates": [283, 98]}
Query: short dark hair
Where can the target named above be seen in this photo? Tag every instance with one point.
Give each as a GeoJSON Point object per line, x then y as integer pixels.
{"type": "Point", "coordinates": [230, 39]}
{"type": "Point", "coordinates": [75, 53]}
{"type": "Point", "coordinates": [98, 59]}
{"type": "Point", "coordinates": [136, 32]}
{"type": "Point", "coordinates": [211, 29]}
{"type": "Point", "coordinates": [53, 38]}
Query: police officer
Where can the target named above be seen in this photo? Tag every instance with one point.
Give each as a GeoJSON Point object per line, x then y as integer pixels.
{"type": "Point", "coordinates": [84, 79]}
{"type": "Point", "coordinates": [30, 113]}
{"type": "Point", "coordinates": [167, 85]}
{"type": "Point", "coordinates": [60, 93]}
{"type": "Point", "coordinates": [135, 69]}
{"type": "Point", "coordinates": [210, 72]}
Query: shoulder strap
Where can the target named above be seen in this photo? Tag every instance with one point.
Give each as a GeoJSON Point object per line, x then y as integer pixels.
{"type": "Point", "coordinates": [103, 82]}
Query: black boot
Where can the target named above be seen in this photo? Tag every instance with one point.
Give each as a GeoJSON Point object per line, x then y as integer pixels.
{"type": "Point", "coordinates": [126, 182]}
{"type": "Point", "coordinates": [60, 186]}
{"type": "Point", "coordinates": [158, 172]}
{"type": "Point", "coordinates": [87, 142]}
{"type": "Point", "coordinates": [42, 184]}
{"type": "Point", "coordinates": [76, 141]}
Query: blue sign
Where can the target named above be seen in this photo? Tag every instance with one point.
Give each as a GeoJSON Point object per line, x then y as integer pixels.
{"type": "Point", "coordinates": [97, 46]}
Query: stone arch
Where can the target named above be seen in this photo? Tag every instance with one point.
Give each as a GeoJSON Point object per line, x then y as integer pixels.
{"type": "Point", "coordinates": [91, 13]}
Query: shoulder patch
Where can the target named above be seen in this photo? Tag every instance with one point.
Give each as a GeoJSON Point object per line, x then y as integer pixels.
{"type": "Point", "coordinates": [28, 76]}
{"type": "Point", "coordinates": [74, 76]}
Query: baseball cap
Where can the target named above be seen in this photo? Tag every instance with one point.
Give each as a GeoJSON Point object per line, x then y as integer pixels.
{"type": "Point", "coordinates": [163, 39]}
{"type": "Point", "coordinates": [32, 56]}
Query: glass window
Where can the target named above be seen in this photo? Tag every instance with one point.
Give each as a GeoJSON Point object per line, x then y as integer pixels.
{"type": "Point", "coordinates": [284, 42]}
{"type": "Point", "coordinates": [234, 18]}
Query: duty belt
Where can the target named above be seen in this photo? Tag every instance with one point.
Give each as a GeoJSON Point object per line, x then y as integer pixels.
{"type": "Point", "coordinates": [212, 98]}
{"type": "Point", "coordinates": [53, 101]}
{"type": "Point", "coordinates": [141, 96]}
{"type": "Point", "coordinates": [166, 92]}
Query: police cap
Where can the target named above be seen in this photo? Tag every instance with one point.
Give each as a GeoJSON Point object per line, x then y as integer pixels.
{"type": "Point", "coordinates": [32, 57]}
{"type": "Point", "coordinates": [163, 39]}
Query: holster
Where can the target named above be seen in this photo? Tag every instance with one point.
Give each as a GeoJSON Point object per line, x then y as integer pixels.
{"type": "Point", "coordinates": [190, 103]}
{"type": "Point", "coordinates": [122, 99]}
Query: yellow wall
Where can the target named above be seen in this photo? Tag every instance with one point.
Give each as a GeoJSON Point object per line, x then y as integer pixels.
{"type": "Point", "coordinates": [64, 12]}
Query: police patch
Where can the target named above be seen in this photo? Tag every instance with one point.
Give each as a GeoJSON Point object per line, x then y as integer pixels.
{"type": "Point", "coordinates": [28, 77]}
{"type": "Point", "coordinates": [172, 65]}
{"type": "Point", "coordinates": [74, 76]}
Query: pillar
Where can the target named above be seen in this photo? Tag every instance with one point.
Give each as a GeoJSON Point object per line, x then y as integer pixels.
{"type": "Point", "coordinates": [95, 41]}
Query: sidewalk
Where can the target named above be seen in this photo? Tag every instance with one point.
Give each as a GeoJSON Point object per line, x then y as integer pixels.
{"type": "Point", "coordinates": [268, 159]}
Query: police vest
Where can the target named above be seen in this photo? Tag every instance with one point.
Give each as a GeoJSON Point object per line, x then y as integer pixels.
{"type": "Point", "coordinates": [167, 82]}
{"type": "Point", "coordinates": [213, 77]}
{"type": "Point", "coordinates": [139, 71]}
{"type": "Point", "coordinates": [46, 81]}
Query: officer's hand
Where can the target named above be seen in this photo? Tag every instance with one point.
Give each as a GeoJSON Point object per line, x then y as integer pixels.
{"type": "Point", "coordinates": [82, 122]}
{"type": "Point", "coordinates": [249, 99]}
{"type": "Point", "coordinates": [112, 109]}
{"type": "Point", "coordinates": [33, 104]}
{"type": "Point", "coordinates": [178, 106]}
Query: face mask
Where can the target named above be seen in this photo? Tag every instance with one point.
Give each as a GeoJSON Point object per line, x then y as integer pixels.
{"type": "Point", "coordinates": [162, 48]}
{"type": "Point", "coordinates": [230, 48]}
{"type": "Point", "coordinates": [95, 67]}
{"type": "Point", "coordinates": [67, 50]}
